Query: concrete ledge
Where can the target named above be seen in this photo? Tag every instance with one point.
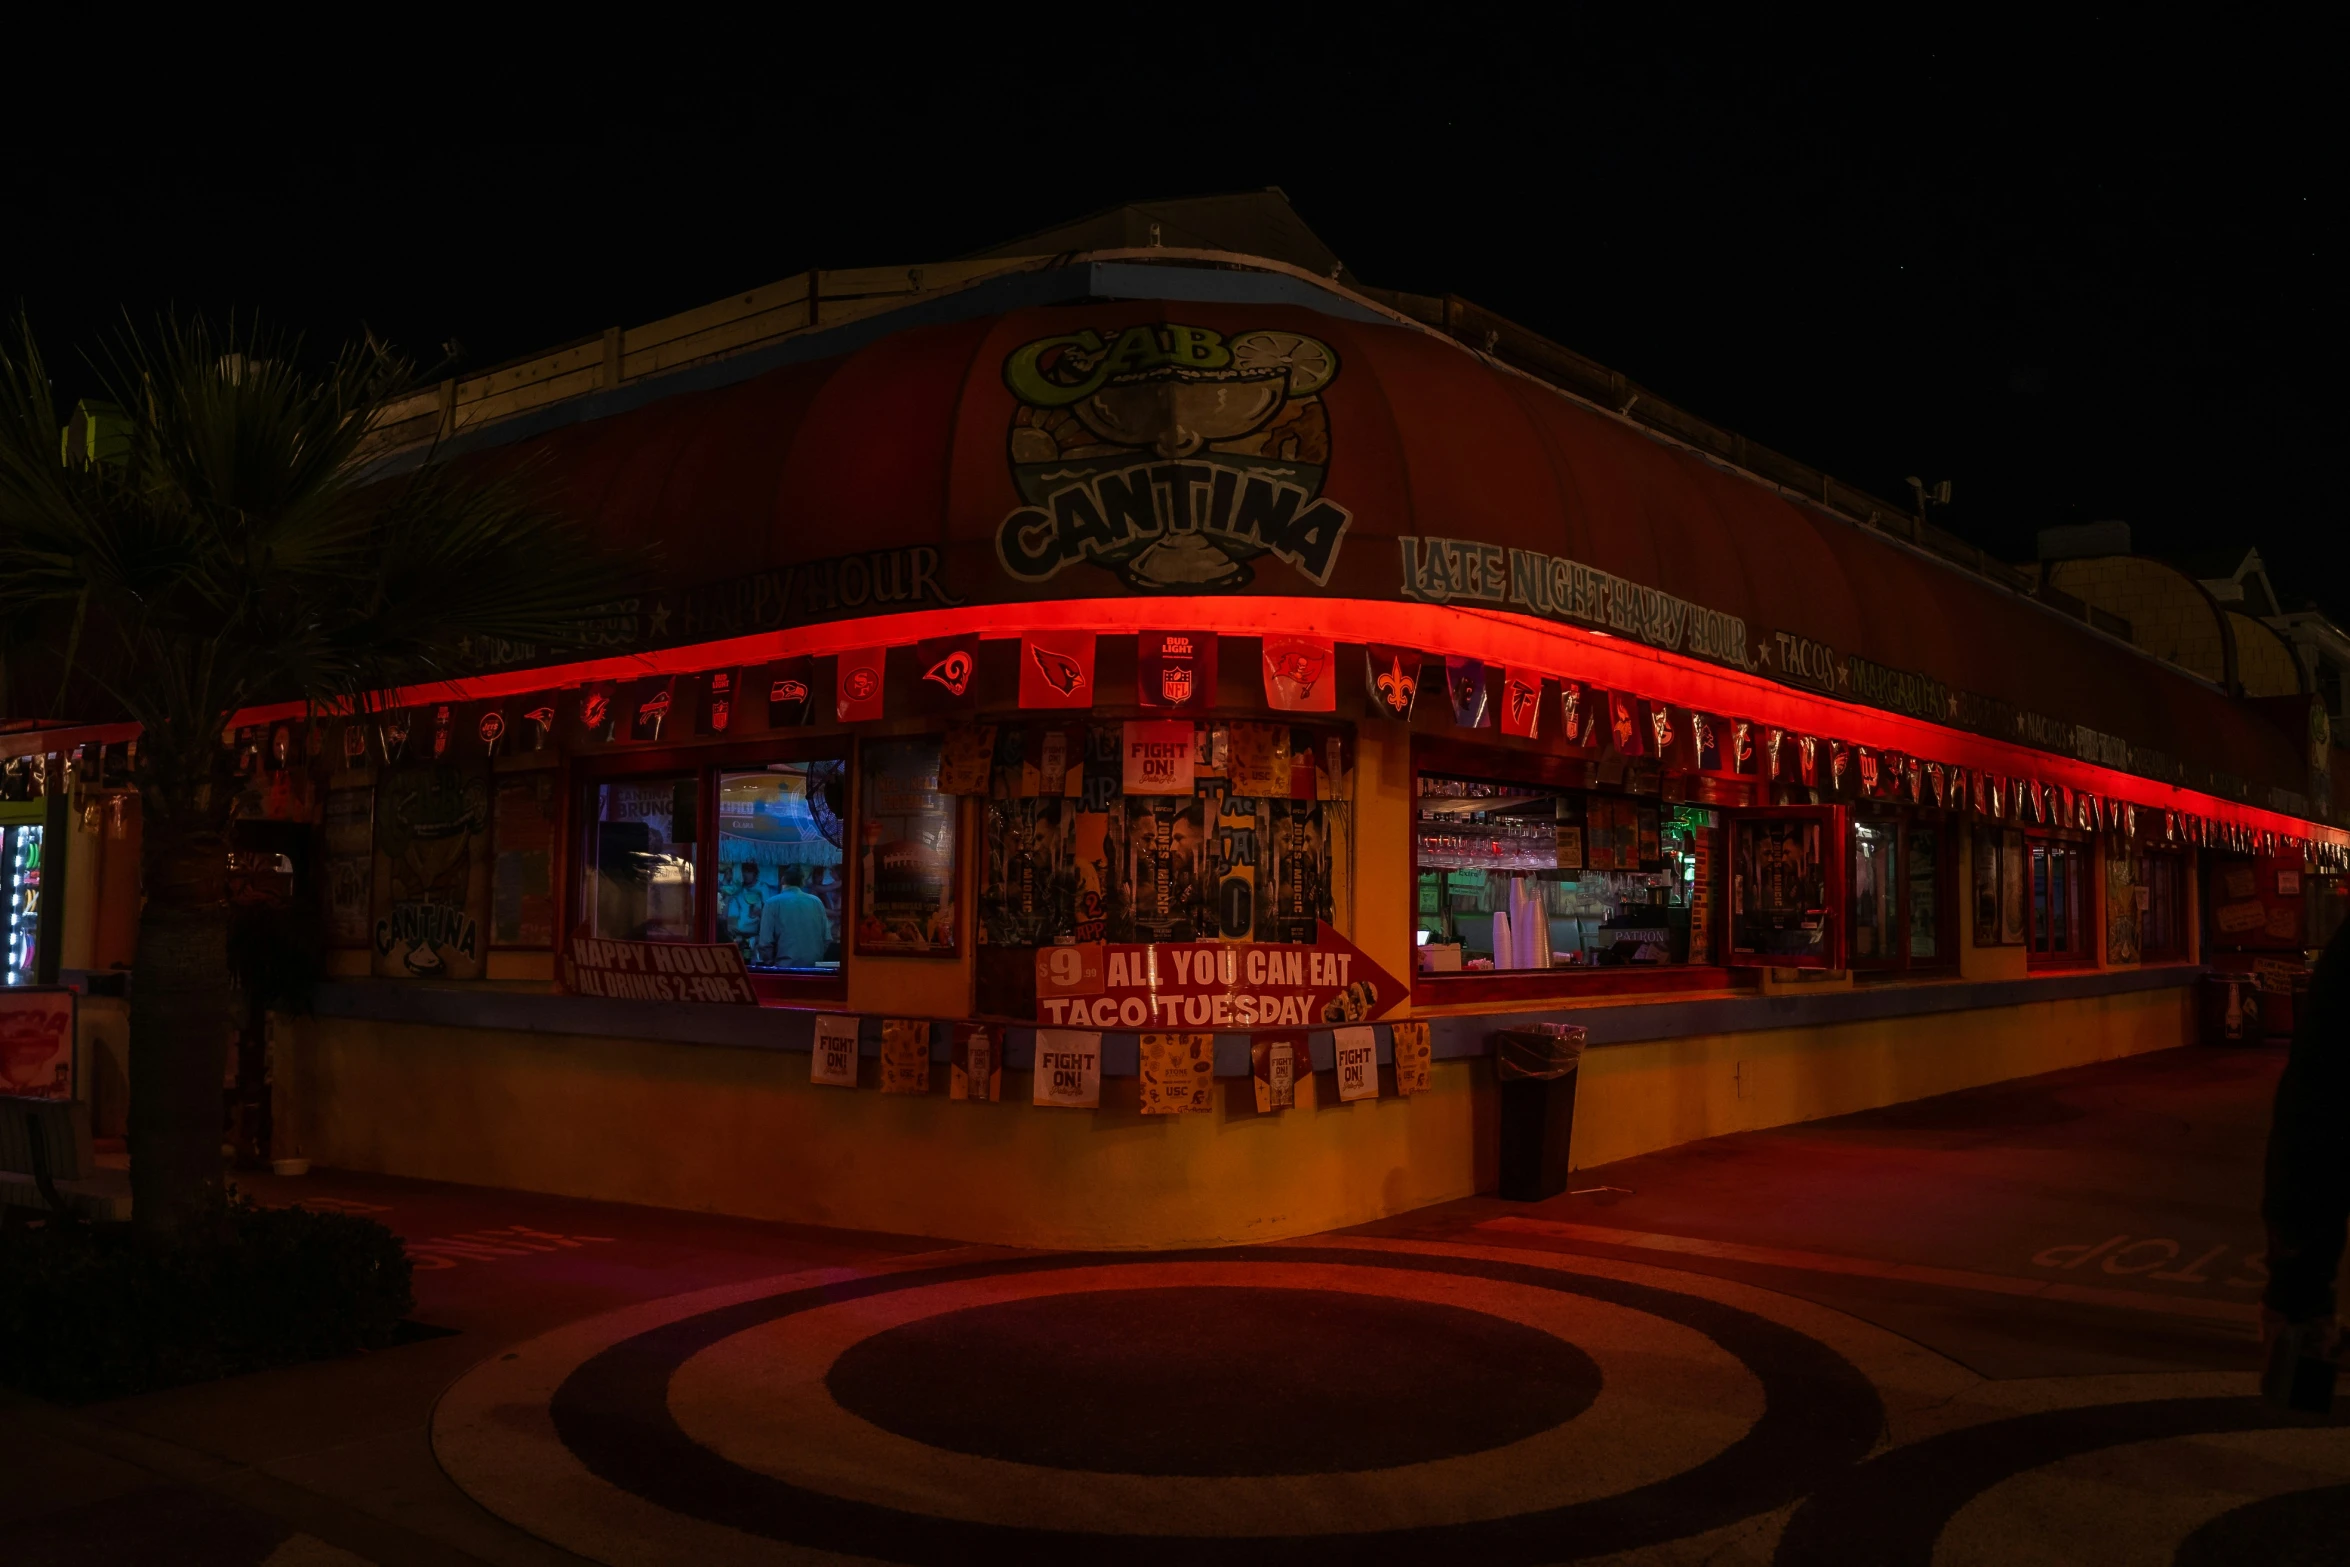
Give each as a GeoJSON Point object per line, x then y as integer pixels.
{"type": "Point", "coordinates": [1451, 1036]}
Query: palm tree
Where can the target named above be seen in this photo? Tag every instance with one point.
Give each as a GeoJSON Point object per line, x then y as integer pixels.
{"type": "Point", "coordinates": [223, 540]}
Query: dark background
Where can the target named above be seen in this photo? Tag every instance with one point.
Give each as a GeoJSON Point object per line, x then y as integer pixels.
{"type": "Point", "coordinates": [2085, 271]}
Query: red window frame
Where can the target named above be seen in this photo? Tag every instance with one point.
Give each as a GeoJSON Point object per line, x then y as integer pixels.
{"type": "Point", "coordinates": [2059, 866]}
{"type": "Point", "coordinates": [1542, 770]}
{"type": "Point", "coordinates": [2156, 867]}
{"type": "Point", "coordinates": [706, 762]}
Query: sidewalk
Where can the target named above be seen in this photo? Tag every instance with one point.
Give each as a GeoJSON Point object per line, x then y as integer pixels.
{"type": "Point", "coordinates": [2026, 1307]}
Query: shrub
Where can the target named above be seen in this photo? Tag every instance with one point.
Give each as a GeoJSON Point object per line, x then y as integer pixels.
{"type": "Point", "coordinates": [86, 1313]}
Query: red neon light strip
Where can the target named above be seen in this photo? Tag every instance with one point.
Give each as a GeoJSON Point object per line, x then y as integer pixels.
{"type": "Point", "coordinates": [1572, 652]}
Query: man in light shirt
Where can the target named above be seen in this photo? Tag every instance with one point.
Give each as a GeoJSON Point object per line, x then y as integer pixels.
{"type": "Point", "coordinates": [794, 930]}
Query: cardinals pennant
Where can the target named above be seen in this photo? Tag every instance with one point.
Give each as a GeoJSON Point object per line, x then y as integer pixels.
{"type": "Point", "coordinates": [947, 674]}
{"type": "Point", "coordinates": [1464, 686]}
{"type": "Point", "coordinates": [1175, 671]}
{"type": "Point", "coordinates": [1056, 669]}
{"type": "Point", "coordinates": [1392, 678]}
{"type": "Point", "coordinates": [1298, 675]}
{"type": "Point", "coordinates": [791, 694]}
{"type": "Point", "coordinates": [715, 713]}
{"type": "Point", "coordinates": [654, 693]}
{"type": "Point", "coordinates": [1521, 703]}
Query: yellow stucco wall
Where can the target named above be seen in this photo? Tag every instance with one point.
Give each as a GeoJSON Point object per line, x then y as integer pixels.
{"type": "Point", "coordinates": [743, 1132]}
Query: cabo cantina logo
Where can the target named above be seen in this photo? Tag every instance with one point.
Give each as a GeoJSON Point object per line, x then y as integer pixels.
{"type": "Point", "coordinates": [1172, 455]}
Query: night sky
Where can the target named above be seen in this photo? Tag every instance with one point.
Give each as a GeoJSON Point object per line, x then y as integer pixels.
{"type": "Point", "coordinates": [2084, 274]}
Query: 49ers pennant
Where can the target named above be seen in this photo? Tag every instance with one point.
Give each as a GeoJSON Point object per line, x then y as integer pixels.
{"type": "Point", "coordinates": [1299, 674]}
{"type": "Point", "coordinates": [856, 684]}
{"type": "Point", "coordinates": [791, 693]}
{"type": "Point", "coordinates": [1175, 671]}
{"type": "Point", "coordinates": [1056, 669]}
{"type": "Point", "coordinates": [1521, 703]}
{"type": "Point", "coordinates": [1391, 677]}
{"type": "Point", "coordinates": [946, 674]}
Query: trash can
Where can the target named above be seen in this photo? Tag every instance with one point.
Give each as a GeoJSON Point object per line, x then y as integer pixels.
{"type": "Point", "coordinates": [1535, 1068]}
{"type": "Point", "coordinates": [2231, 1009]}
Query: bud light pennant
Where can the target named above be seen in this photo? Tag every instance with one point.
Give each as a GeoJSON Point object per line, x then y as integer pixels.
{"type": "Point", "coordinates": [1464, 686]}
{"type": "Point", "coordinates": [946, 675]}
{"type": "Point", "coordinates": [1176, 671]}
{"type": "Point", "coordinates": [1056, 669]}
{"type": "Point", "coordinates": [1391, 677]}
{"type": "Point", "coordinates": [791, 692]}
{"type": "Point", "coordinates": [1299, 674]}
{"type": "Point", "coordinates": [651, 704]}
{"type": "Point", "coordinates": [716, 712]}
{"type": "Point", "coordinates": [856, 685]}
{"type": "Point", "coordinates": [1521, 703]}
{"type": "Point", "coordinates": [432, 872]}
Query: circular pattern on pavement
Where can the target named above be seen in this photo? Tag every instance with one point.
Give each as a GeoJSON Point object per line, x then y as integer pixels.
{"type": "Point", "coordinates": [1353, 1400]}
{"type": "Point", "coordinates": [1214, 1380]}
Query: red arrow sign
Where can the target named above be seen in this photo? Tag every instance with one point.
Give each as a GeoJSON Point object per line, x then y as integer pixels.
{"type": "Point", "coordinates": [1213, 985]}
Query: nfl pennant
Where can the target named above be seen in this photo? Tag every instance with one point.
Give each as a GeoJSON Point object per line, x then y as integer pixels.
{"type": "Point", "coordinates": [947, 674]}
{"type": "Point", "coordinates": [1391, 677]}
{"type": "Point", "coordinates": [1298, 674]}
{"type": "Point", "coordinates": [1175, 671]}
{"type": "Point", "coordinates": [1742, 746]}
{"type": "Point", "coordinates": [1807, 761]}
{"type": "Point", "coordinates": [716, 710]}
{"type": "Point", "coordinates": [1464, 686]}
{"type": "Point", "coordinates": [1913, 773]}
{"type": "Point", "coordinates": [1571, 712]}
{"type": "Point", "coordinates": [440, 732]}
{"type": "Point", "coordinates": [1660, 727]}
{"type": "Point", "coordinates": [391, 735]}
{"type": "Point", "coordinates": [857, 682]}
{"type": "Point", "coordinates": [1705, 731]}
{"type": "Point", "coordinates": [1937, 784]}
{"type": "Point", "coordinates": [539, 712]}
{"type": "Point", "coordinates": [791, 695]}
{"type": "Point", "coordinates": [1839, 765]}
{"type": "Point", "coordinates": [1774, 745]}
{"type": "Point", "coordinates": [1624, 725]}
{"type": "Point", "coordinates": [491, 727]}
{"type": "Point", "coordinates": [1521, 703]}
{"type": "Point", "coordinates": [1871, 774]}
{"type": "Point", "coordinates": [354, 744]}
{"type": "Point", "coordinates": [1056, 669]}
{"type": "Point", "coordinates": [654, 693]}
{"type": "Point", "coordinates": [595, 710]}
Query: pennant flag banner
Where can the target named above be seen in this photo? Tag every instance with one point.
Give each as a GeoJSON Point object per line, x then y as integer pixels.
{"type": "Point", "coordinates": [1068, 1067]}
{"type": "Point", "coordinates": [440, 732]}
{"type": "Point", "coordinates": [833, 1062]}
{"type": "Point", "coordinates": [1913, 773]}
{"type": "Point", "coordinates": [716, 710]}
{"type": "Point", "coordinates": [1391, 676]}
{"type": "Point", "coordinates": [1660, 725]}
{"type": "Point", "coordinates": [791, 693]}
{"type": "Point", "coordinates": [1571, 712]}
{"type": "Point", "coordinates": [354, 744]}
{"type": "Point", "coordinates": [491, 727]}
{"type": "Point", "coordinates": [949, 668]}
{"type": "Point", "coordinates": [1623, 713]}
{"type": "Point", "coordinates": [857, 683]}
{"type": "Point", "coordinates": [1742, 758]}
{"type": "Point", "coordinates": [1807, 759]}
{"type": "Point", "coordinates": [1937, 783]}
{"type": "Point", "coordinates": [1839, 765]}
{"type": "Point", "coordinates": [1412, 1058]}
{"type": "Point", "coordinates": [1705, 733]}
{"type": "Point", "coordinates": [1869, 772]}
{"type": "Point", "coordinates": [1299, 674]}
{"type": "Point", "coordinates": [905, 1056]}
{"type": "Point", "coordinates": [1775, 743]}
{"type": "Point", "coordinates": [1464, 685]}
{"type": "Point", "coordinates": [1178, 1074]}
{"type": "Point", "coordinates": [1273, 1063]}
{"type": "Point", "coordinates": [1175, 671]}
{"type": "Point", "coordinates": [1521, 703]}
{"type": "Point", "coordinates": [539, 712]}
{"type": "Point", "coordinates": [1056, 669]}
{"type": "Point", "coordinates": [976, 1066]}
{"type": "Point", "coordinates": [653, 696]}
{"type": "Point", "coordinates": [391, 734]}
{"type": "Point", "coordinates": [595, 709]}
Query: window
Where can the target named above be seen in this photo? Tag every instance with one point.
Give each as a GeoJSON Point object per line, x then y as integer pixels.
{"type": "Point", "coordinates": [1514, 876]}
{"type": "Point", "coordinates": [748, 850]}
{"type": "Point", "coordinates": [2161, 898]}
{"type": "Point", "coordinates": [637, 871]}
{"type": "Point", "coordinates": [1783, 894]}
{"type": "Point", "coordinates": [1897, 914]}
{"type": "Point", "coordinates": [2060, 899]}
{"type": "Point", "coordinates": [780, 886]}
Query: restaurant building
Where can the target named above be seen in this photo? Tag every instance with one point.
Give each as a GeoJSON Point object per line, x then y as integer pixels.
{"type": "Point", "coordinates": [1149, 653]}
